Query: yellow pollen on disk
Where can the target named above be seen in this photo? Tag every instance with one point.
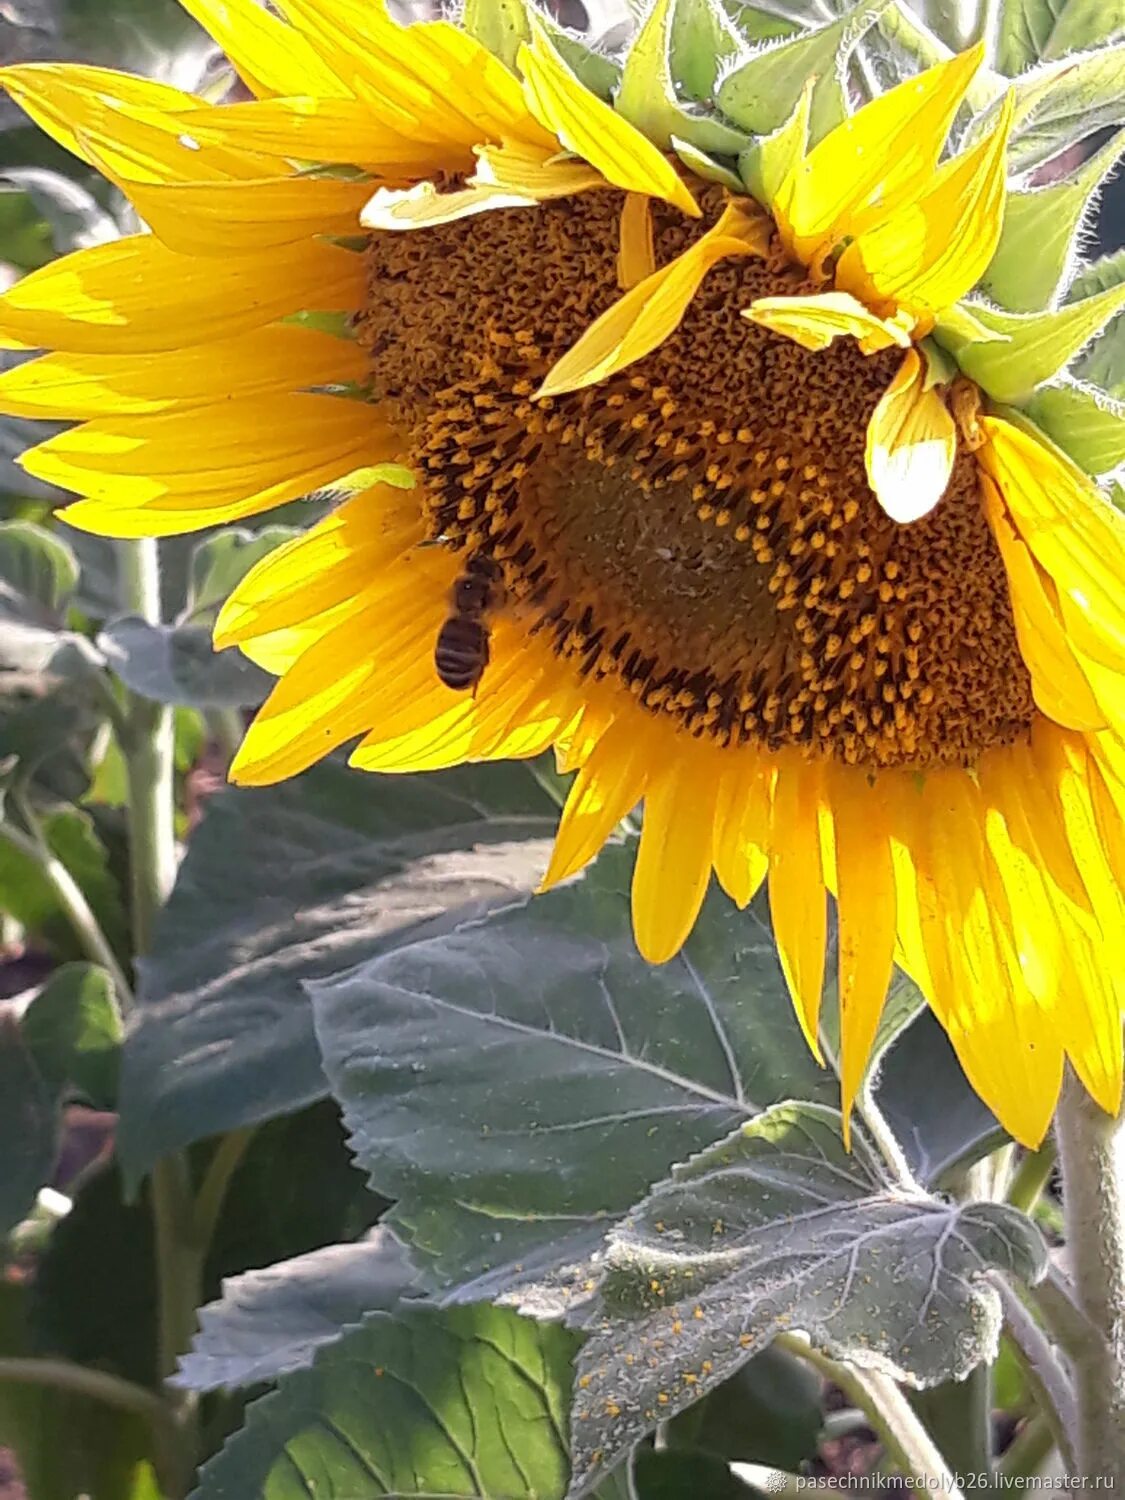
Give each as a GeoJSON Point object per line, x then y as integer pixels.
{"type": "Point", "coordinates": [699, 527]}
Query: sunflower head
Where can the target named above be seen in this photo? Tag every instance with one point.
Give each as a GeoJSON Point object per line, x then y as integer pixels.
{"type": "Point", "coordinates": [719, 414]}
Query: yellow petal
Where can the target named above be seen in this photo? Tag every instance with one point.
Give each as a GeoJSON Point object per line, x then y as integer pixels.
{"type": "Point", "coordinates": [645, 316]}
{"type": "Point", "coordinates": [269, 56]}
{"type": "Point", "coordinates": [932, 250]}
{"type": "Point", "coordinates": [1075, 536]}
{"type": "Point", "coordinates": [276, 358]}
{"type": "Point", "coordinates": [911, 444]}
{"type": "Point", "coordinates": [136, 296]}
{"type": "Point", "coordinates": [814, 321]}
{"type": "Point", "coordinates": [534, 172]}
{"type": "Point", "coordinates": [607, 787]}
{"type": "Point", "coordinates": [886, 152]}
{"type": "Point", "coordinates": [1057, 683]}
{"type": "Point", "coordinates": [798, 904]}
{"type": "Point", "coordinates": [674, 859]}
{"type": "Point", "coordinates": [261, 452]}
{"type": "Point", "coordinates": [592, 129]}
{"type": "Point", "coordinates": [217, 219]}
{"type": "Point", "coordinates": [311, 130]}
{"type": "Point", "coordinates": [636, 256]}
{"type": "Point", "coordinates": [866, 907]}
{"type": "Point", "coordinates": [422, 207]}
{"type": "Point", "coordinates": [429, 79]}
{"type": "Point", "coordinates": [65, 98]}
{"type": "Point", "coordinates": [742, 825]}
{"type": "Point", "coordinates": [334, 560]}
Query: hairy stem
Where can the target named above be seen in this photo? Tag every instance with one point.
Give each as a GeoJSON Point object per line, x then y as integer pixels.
{"type": "Point", "coordinates": [148, 751]}
{"type": "Point", "coordinates": [1092, 1156]}
{"type": "Point", "coordinates": [893, 1419]}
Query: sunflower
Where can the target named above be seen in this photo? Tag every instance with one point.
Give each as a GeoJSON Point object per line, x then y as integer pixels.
{"type": "Point", "coordinates": [735, 501]}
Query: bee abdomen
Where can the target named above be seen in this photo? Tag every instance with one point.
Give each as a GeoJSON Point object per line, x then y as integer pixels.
{"type": "Point", "coordinates": [461, 652]}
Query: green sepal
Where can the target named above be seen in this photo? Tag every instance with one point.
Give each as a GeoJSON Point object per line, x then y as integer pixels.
{"type": "Point", "coordinates": [908, 34]}
{"type": "Point", "coordinates": [705, 167]}
{"type": "Point", "coordinates": [647, 94]}
{"type": "Point", "coordinates": [762, 91]}
{"type": "Point", "coordinates": [499, 25]}
{"type": "Point", "coordinates": [1037, 31]}
{"type": "Point", "coordinates": [703, 41]}
{"type": "Point", "coordinates": [763, 166]}
{"type": "Point", "coordinates": [941, 367]}
{"type": "Point", "coordinates": [1038, 345]}
{"type": "Point", "coordinates": [1104, 364]}
{"type": "Point", "coordinates": [595, 71]}
{"type": "Point", "coordinates": [1084, 422]}
{"type": "Point", "coordinates": [1038, 238]}
{"type": "Point", "coordinates": [1064, 102]}
{"type": "Point", "coordinates": [958, 327]}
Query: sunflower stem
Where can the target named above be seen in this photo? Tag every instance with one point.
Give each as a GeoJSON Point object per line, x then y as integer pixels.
{"type": "Point", "coordinates": [1092, 1156]}
{"type": "Point", "coordinates": [907, 1443]}
{"type": "Point", "coordinates": [149, 758]}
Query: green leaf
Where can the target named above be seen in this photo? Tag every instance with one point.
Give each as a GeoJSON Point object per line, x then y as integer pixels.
{"type": "Point", "coordinates": [764, 165]}
{"type": "Point", "coordinates": [1104, 363]}
{"type": "Point", "coordinates": [414, 1403]}
{"type": "Point", "coordinates": [47, 730]}
{"type": "Point", "coordinates": [178, 664]}
{"type": "Point", "coordinates": [28, 1126]}
{"type": "Point", "coordinates": [1085, 423]}
{"type": "Point", "coordinates": [38, 566]}
{"type": "Point", "coordinates": [768, 1412]}
{"type": "Point", "coordinates": [1062, 103]}
{"type": "Point", "coordinates": [703, 40]}
{"type": "Point", "coordinates": [518, 1083]}
{"type": "Point", "coordinates": [499, 25]}
{"type": "Point", "coordinates": [73, 839]}
{"type": "Point", "coordinates": [269, 1323]}
{"type": "Point", "coordinates": [329, 869]}
{"type": "Point", "coordinates": [670, 1475]}
{"type": "Point", "coordinates": [1041, 232]}
{"type": "Point", "coordinates": [647, 94]}
{"type": "Point", "coordinates": [941, 1122]}
{"type": "Point", "coordinates": [223, 560]}
{"type": "Point", "coordinates": [777, 1228]}
{"type": "Point", "coordinates": [763, 91]}
{"type": "Point", "coordinates": [72, 1029]}
{"type": "Point", "coordinates": [1033, 31]}
{"type": "Point", "coordinates": [1038, 345]}
{"type": "Point", "coordinates": [599, 73]}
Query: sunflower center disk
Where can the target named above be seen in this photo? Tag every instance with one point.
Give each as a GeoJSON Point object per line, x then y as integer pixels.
{"type": "Point", "coordinates": [699, 527]}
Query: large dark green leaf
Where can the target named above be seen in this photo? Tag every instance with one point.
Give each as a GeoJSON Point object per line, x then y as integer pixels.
{"type": "Point", "coordinates": [780, 1228]}
{"type": "Point", "coordinates": [178, 664]}
{"type": "Point", "coordinates": [28, 1126]}
{"type": "Point", "coordinates": [520, 1082]}
{"type": "Point", "coordinates": [294, 883]}
{"type": "Point", "coordinates": [470, 1402]}
{"type": "Point", "coordinates": [271, 1322]}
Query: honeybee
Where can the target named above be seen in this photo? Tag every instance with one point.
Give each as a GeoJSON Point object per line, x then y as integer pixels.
{"type": "Point", "coordinates": [461, 651]}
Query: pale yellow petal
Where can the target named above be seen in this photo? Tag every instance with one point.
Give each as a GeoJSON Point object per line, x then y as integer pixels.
{"type": "Point", "coordinates": [590, 128]}
{"type": "Point", "coordinates": [814, 321]}
{"type": "Point", "coordinates": [645, 316]}
{"type": "Point", "coordinates": [911, 444]}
